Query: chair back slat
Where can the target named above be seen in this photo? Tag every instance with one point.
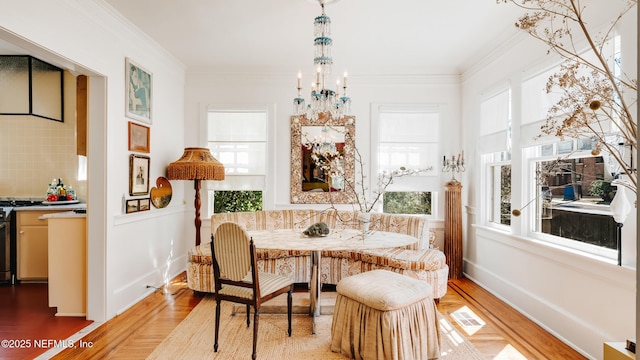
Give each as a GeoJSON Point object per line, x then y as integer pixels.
{"type": "Point", "coordinates": [231, 246]}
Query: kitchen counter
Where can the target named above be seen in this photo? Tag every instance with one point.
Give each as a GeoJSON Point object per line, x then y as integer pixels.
{"type": "Point", "coordinates": [67, 263]}
{"type": "Point", "coordinates": [63, 215]}
{"type": "Point", "coordinates": [51, 207]}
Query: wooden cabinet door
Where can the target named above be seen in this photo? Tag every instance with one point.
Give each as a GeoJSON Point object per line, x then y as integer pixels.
{"type": "Point", "coordinates": [32, 249]}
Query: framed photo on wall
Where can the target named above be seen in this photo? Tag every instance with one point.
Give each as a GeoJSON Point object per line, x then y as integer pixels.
{"type": "Point", "coordinates": [144, 204]}
{"type": "Point", "coordinates": [138, 92]}
{"type": "Point", "coordinates": [138, 137]}
{"type": "Point", "coordinates": [132, 206]}
{"type": "Point", "coordinates": [138, 174]}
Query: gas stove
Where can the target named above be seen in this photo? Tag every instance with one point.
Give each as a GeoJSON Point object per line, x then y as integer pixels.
{"type": "Point", "coordinates": [19, 203]}
{"type": "Point", "coordinates": [8, 204]}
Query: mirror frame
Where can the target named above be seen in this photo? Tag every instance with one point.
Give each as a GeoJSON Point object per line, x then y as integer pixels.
{"type": "Point", "coordinates": [312, 197]}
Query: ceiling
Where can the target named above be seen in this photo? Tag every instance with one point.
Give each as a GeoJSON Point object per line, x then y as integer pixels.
{"type": "Point", "coordinates": [369, 36]}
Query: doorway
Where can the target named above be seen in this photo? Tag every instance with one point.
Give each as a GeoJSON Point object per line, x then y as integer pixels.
{"type": "Point", "coordinates": [96, 168]}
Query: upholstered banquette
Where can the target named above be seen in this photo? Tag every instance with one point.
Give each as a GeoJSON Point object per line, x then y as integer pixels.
{"type": "Point", "coordinates": [417, 261]}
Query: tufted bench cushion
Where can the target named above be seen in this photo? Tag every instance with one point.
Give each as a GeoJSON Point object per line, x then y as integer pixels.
{"type": "Point", "coordinates": [397, 291]}
{"type": "Point", "coordinates": [418, 262]}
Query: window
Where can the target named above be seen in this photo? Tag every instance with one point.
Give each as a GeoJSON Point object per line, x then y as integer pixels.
{"type": "Point", "coordinates": [572, 193]}
{"type": "Point", "coordinates": [495, 126]}
{"type": "Point", "coordinates": [406, 202]}
{"type": "Point", "coordinates": [408, 137]}
{"type": "Point", "coordinates": [236, 201]}
{"type": "Point", "coordinates": [499, 188]}
{"type": "Point", "coordinates": [238, 139]}
{"type": "Point", "coordinates": [568, 181]}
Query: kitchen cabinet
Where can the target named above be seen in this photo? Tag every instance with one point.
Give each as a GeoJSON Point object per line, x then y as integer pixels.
{"type": "Point", "coordinates": [32, 245]}
{"type": "Point", "coordinates": [68, 263]}
{"type": "Point", "coordinates": [617, 351]}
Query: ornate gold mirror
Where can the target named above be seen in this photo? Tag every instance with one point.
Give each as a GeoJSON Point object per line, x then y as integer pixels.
{"type": "Point", "coordinates": [311, 183]}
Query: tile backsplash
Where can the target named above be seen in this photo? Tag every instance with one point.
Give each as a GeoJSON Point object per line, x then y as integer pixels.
{"type": "Point", "coordinates": [35, 150]}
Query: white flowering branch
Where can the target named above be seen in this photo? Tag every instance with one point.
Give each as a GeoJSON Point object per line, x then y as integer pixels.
{"type": "Point", "coordinates": [330, 161]}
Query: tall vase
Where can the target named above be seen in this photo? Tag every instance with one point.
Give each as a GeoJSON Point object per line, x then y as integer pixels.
{"type": "Point", "coordinates": [364, 219]}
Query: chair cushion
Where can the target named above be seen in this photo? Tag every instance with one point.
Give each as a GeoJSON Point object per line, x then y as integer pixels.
{"type": "Point", "coordinates": [427, 259]}
{"type": "Point", "coordinates": [383, 290]}
{"type": "Point", "coordinates": [269, 283]}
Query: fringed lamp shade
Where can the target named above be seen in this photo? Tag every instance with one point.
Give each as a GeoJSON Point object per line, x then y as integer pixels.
{"type": "Point", "coordinates": [196, 164]}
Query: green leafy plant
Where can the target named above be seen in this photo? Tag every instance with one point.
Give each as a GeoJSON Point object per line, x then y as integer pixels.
{"type": "Point", "coordinates": [602, 189]}
{"type": "Point", "coordinates": [406, 202]}
{"type": "Point", "coordinates": [237, 201]}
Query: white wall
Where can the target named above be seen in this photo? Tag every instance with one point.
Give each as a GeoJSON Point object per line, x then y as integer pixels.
{"type": "Point", "coordinates": [582, 301]}
{"type": "Point", "coordinates": [126, 252]}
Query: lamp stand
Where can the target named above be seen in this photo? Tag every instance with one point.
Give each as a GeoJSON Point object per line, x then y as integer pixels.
{"type": "Point", "coordinates": [197, 203]}
{"type": "Point", "coordinates": [619, 243]}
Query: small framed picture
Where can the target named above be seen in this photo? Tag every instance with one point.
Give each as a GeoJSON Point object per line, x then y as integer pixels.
{"type": "Point", "coordinates": [138, 174]}
{"type": "Point", "coordinates": [132, 206]}
{"type": "Point", "coordinates": [144, 204]}
{"type": "Point", "coordinates": [138, 92]}
{"type": "Point", "coordinates": [138, 137]}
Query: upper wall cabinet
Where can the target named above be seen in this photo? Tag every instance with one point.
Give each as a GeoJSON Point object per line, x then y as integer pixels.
{"type": "Point", "coordinates": [29, 86]}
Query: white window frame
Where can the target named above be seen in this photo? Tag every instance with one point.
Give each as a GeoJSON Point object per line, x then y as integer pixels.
{"type": "Point", "coordinates": [493, 155]}
{"type": "Point", "coordinates": [492, 188]}
{"type": "Point", "coordinates": [531, 155]}
{"type": "Point", "coordinates": [424, 182]}
{"type": "Point", "coordinates": [256, 182]}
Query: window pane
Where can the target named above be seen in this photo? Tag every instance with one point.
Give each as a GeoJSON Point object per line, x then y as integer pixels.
{"type": "Point", "coordinates": [236, 201]}
{"type": "Point", "coordinates": [402, 202]}
{"type": "Point", "coordinates": [240, 158]}
{"type": "Point", "coordinates": [573, 201]}
{"type": "Point", "coordinates": [500, 202]}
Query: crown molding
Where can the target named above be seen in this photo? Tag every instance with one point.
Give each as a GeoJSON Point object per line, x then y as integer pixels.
{"type": "Point", "coordinates": [475, 66]}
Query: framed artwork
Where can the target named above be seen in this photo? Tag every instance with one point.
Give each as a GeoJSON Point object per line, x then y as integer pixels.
{"type": "Point", "coordinates": [138, 137]}
{"type": "Point", "coordinates": [138, 174]}
{"type": "Point", "coordinates": [132, 206]}
{"type": "Point", "coordinates": [138, 92]}
{"type": "Point", "coordinates": [161, 193]}
{"type": "Point", "coordinates": [144, 204]}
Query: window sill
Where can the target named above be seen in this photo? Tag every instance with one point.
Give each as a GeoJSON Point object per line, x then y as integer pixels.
{"type": "Point", "coordinates": [580, 260]}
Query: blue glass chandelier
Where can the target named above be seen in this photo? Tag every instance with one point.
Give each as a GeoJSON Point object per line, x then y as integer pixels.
{"type": "Point", "coordinates": [323, 100]}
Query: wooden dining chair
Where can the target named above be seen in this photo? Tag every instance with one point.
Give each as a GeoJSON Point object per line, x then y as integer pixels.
{"type": "Point", "coordinates": [238, 280]}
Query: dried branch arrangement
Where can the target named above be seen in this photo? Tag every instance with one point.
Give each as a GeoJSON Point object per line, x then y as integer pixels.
{"type": "Point", "coordinates": [598, 99]}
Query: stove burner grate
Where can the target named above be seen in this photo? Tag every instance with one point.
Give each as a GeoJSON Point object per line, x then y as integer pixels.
{"type": "Point", "coordinates": [19, 203]}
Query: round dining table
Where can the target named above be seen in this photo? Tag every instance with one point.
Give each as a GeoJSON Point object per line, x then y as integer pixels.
{"type": "Point", "coordinates": [337, 239]}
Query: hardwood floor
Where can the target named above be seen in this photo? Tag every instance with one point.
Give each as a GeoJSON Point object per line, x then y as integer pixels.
{"type": "Point", "coordinates": [134, 334]}
{"type": "Point", "coordinates": [27, 323]}
{"type": "Point", "coordinates": [508, 334]}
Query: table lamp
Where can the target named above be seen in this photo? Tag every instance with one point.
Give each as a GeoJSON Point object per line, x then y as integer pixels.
{"type": "Point", "coordinates": [196, 164]}
{"type": "Point", "coordinates": [620, 208]}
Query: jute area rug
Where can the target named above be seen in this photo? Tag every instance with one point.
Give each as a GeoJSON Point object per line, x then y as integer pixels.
{"type": "Point", "coordinates": [193, 338]}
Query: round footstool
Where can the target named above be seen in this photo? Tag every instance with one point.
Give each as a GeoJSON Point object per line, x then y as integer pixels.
{"type": "Point", "coordinates": [380, 314]}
